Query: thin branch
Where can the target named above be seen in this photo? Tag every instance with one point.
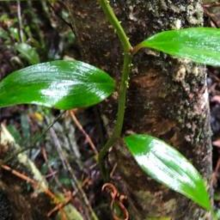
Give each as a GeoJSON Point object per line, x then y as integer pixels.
{"type": "Point", "coordinates": [80, 127]}
{"type": "Point", "coordinates": [36, 139]}
{"type": "Point", "coordinates": [20, 23]}
{"type": "Point", "coordinates": [211, 5]}
{"type": "Point", "coordinates": [60, 16]}
{"type": "Point", "coordinates": [211, 16]}
{"type": "Point", "coordinates": [68, 167]}
{"type": "Point", "coordinates": [127, 64]}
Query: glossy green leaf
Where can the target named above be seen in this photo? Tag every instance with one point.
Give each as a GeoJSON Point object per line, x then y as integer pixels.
{"type": "Point", "coordinates": [59, 84]}
{"type": "Point", "coordinates": [28, 52]}
{"type": "Point", "coordinates": [166, 165]}
{"type": "Point", "coordinates": [201, 45]}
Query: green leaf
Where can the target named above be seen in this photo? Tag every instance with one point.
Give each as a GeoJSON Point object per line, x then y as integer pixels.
{"type": "Point", "coordinates": [28, 52]}
{"type": "Point", "coordinates": [201, 45]}
{"type": "Point", "coordinates": [3, 34]}
{"type": "Point", "coordinates": [166, 165]}
{"type": "Point", "coordinates": [59, 84]}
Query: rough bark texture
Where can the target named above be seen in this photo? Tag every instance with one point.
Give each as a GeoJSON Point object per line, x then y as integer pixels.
{"type": "Point", "coordinates": [167, 97]}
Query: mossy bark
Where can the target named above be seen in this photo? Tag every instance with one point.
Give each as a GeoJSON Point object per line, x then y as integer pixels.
{"type": "Point", "coordinates": [167, 97]}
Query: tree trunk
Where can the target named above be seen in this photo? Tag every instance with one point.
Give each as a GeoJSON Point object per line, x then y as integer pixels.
{"type": "Point", "coordinates": [167, 97]}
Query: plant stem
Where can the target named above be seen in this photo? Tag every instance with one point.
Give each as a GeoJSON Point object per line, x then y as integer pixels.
{"type": "Point", "coordinates": [106, 7]}
{"type": "Point", "coordinates": [123, 93]}
{"type": "Point", "coordinates": [20, 23]}
{"type": "Point", "coordinates": [120, 113]}
{"type": "Point", "coordinates": [127, 63]}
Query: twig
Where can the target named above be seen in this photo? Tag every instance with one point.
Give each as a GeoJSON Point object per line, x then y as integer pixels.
{"type": "Point", "coordinates": [67, 166]}
{"type": "Point", "coordinates": [84, 197]}
{"type": "Point", "coordinates": [211, 5]}
{"type": "Point", "coordinates": [60, 205]}
{"type": "Point", "coordinates": [58, 147]}
{"type": "Point", "coordinates": [20, 24]}
{"type": "Point", "coordinates": [80, 127]}
{"type": "Point", "coordinates": [60, 17]}
{"type": "Point", "coordinates": [210, 15]}
{"type": "Point", "coordinates": [35, 140]}
{"type": "Point", "coordinates": [44, 153]}
{"type": "Point", "coordinates": [36, 184]}
{"type": "Point", "coordinates": [8, 140]}
{"type": "Point", "coordinates": [20, 175]}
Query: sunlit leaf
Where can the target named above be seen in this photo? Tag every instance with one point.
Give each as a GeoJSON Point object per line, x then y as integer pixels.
{"type": "Point", "coordinates": [28, 52]}
{"type": "Point", "coordinates": [201, 45]}
{"type": "Point", "coordinates": [59, 84]}
{"type": "Point", "coordinates": [166, 165]}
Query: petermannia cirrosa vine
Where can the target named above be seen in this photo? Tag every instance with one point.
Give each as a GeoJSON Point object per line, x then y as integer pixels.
{"type": "Point", "coordinates": [73, 84]}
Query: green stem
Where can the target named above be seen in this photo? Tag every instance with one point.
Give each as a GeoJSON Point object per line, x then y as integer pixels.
{"type": "Point", "coordinates": [120, 113]}
{"type": "Point", "coordinates": [106, 7]}
{"type": "Point", "coordinates": [123, 93]}
{"type": "Point", "coordinates": [127, 63]}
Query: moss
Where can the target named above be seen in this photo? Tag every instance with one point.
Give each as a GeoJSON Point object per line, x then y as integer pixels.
{"type": "Point", "coordinates": [195, 14]}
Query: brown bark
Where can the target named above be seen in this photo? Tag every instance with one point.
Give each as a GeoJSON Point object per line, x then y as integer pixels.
{"type": "Point", "coordinates": [167, 97]}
